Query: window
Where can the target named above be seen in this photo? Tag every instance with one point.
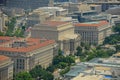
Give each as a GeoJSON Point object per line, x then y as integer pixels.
{"type": "Point", "coordinates": [92, 8]}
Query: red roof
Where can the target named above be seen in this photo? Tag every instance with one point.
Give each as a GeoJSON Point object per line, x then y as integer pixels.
{"type": "Point", "coordinates": [54, 23]}
{"type": "Point", "coordinates": [33, 44]}
{"type": "Point", "coordinates": [4, 38]}
{"type": "Point", "coordinates": [99, 24]}
{"type": "Point", "coordinates": [3, 58]}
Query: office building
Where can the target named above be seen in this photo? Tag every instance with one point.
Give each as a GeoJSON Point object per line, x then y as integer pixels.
{"type": "Point", "coordinates": [6, 68]}
{"type": "Point", "coordinates": [56, 11]}
{"type": "Point", "coordinates": [43, 14]}
{"type": "Point", "coordinates": [27, 53]}
{"type": "Point", "coordinates": [36, 17]}
{"type": "Point", "coordinates": [12, 12]}
{"type": "Point", "coordinates": [93, 32]}
{"type": "Point", "coordinates": [114, 11]}
{"type": "Point", "coordinates": [62, 32]}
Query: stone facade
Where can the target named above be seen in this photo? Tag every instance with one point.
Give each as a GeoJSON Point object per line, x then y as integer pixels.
{"type": "Point", "coordinates": [62, 32]}
{"type": "Point", "coordinates": [6, 68]}
{"type": "Point", "coordinates": [93, 32]}
{"type": "Point", "coordinates": [26, 54]}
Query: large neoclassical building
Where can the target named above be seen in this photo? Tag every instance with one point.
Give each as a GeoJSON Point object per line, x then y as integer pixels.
{"type": "Point", "coordinates": [93, 32]}
{"type": "Point", "coordinates": [6, 68]}
{"type": "Point", "coordinates": [62, 32]}
{"type": "Point", "coordinates": [27, 52]}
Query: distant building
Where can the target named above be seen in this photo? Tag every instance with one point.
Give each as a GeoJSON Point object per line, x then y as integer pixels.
{"type": "Point", "coordinates": [80, 7]}
{"type": "Point", "coordinates": [43, 14]}
{"type": "Point", "coordinates": [6, 68]}
{"type": "Point", "coordinates": [27, 53]}
{"type": "Point", "coordinates": [74, 1]}
{"type": "Point", "coordinates": [96, 69]}
{"type": "Point", "coordinates": [28, 4]}
{"type": "Point", "coordinates": [97, 8]}
{"type": "Point", "coordinates": [115, 19]}
{"type": "Point", "coordinates": [80, 10]}
{"type": "Point", "coordinates": [62, 18]}
{"type": "Point", "coordinates": [114, 11]}
{"type": "Point", "coordinates": [56, 11]}
{"type": "Point", "coordinates": [94, 17]}
{"type": "Point", "coordinates": [2, 20]}
{"type": "Point", "coordinates": [62, 32]}
{"type": "Point", "coordinates": [109, 0]}
{"type": "Point", "coordinates": [93, 32]}
{"type": "Point", "coordinates": [13, 11]}
{"type": "Point", "coordinates": [36, 17]}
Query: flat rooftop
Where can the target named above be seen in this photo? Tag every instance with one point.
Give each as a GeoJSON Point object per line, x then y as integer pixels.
{"type": "Point", "coordinates": [76, 70]}
{"type": "Point", "coordinates": [54, 23]}
{"type": "Point", "coordinates": [13, 44]}
{"type": "Point", "coordinates": [88, 77]}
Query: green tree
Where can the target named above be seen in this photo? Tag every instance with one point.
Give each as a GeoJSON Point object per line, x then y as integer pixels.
{"type": "Point", "coordinates": [59, 52]}
{"type": "Point", "coordinates": [19, 32]}
{"type": "Point", "coordinates": [91, 56]}
{"type": "Point", "coordinates": [69, 60]}
{"type": "Point", "coordinates": [51, 68]}
{"type": "Point", "coordinates": [23, 76]}
{"type": "Point", "coordinates": [10, 27]}
{"type": "Point", "coordinates": [57, 59]}
{"type": "Point", "coordinates": [82, 44]}
{"type": "Point", "coordinates": [87, 46]}
{"type": "Point", "coordinates": [38, 71]}
{"type": "Point", "coordinates": [79, 51]}
{"type": "Point", "coordinates": [114, 38]}
{"type": "Point", "coordinates": [1, 33]}
{"type": "Point", "coordinates": [62, 65]}
{"type": "Point", "coordinates": [117, 28]}
{"type": "Point", "coordinates": [65, 71]}
{"type": "Point", "coordinates": [117, 48]}
{"type": "Point", "coordinates": [100, 53]}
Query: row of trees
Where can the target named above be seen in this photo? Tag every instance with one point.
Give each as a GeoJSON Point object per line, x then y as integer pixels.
{"type": "Point", "coordinates": [87, 55]}
{"type": "Point", "coordinates": [40, 73]}
{"type": "Point", "coordinates": [23, 76]}
{"type": "Point", "coordinates": [37, 73]}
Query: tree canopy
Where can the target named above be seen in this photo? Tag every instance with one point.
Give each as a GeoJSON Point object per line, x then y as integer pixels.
{"type": "Point", "coordinates": [79, 51]}
{"type": "Point", "coordinates": [117, 28]}
{"type": "Point", "coordinates": [39, 72]}
{"type": "Point", "coordinates": [114, 38]}
{"type": "Point", "coordinates": [23, 76]}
